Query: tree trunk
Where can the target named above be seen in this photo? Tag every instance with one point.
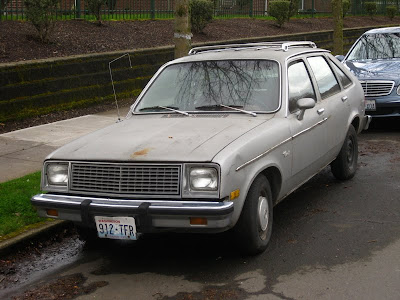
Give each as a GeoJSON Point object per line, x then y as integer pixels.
{"type": "Point", "coordinates": [337, 9]}
{"type": "Point", "coordinates": [182, 36]}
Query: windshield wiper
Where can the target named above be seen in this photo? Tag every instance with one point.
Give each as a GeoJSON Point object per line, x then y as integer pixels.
{"type": "Point", "coordinates": [233, 107]}
{"type": "Point", "coordinates": [171, 108]}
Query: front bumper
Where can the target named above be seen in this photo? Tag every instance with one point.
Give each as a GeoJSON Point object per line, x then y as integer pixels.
{"type": "Point", "coordinates": [366, 121]}
{"type": "Point", "coordinates": [150, 214]}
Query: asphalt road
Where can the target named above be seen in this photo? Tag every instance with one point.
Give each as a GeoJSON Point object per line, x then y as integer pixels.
{"type": "Point", "coordinates": [331, 240]}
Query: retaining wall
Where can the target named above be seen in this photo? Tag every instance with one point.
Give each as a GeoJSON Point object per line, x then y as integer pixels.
{"type": "Point", "coordinates": [33, 88]}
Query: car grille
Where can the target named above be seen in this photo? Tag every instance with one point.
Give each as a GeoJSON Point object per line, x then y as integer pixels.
{"type": "Point", "coordinates": [126, 178]}
{"type": "Point", "coordinates": [375, 88]}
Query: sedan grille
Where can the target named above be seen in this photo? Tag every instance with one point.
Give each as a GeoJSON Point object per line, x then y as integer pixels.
{"type": "Point", "coordinates": [375, 88]}
{"type": "Point", "coordinates": [126, 178]}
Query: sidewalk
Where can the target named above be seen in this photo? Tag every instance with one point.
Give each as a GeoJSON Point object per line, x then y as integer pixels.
{"type": "Point", "coordinates": [22, 151]}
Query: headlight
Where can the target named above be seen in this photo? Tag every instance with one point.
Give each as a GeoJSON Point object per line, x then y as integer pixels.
{"type": "Point", "coordinates": [57, 174]}
{"type": "Point", "coordinates": [203, 179]}
{"type": "Point", "coordinates": [398, 90]}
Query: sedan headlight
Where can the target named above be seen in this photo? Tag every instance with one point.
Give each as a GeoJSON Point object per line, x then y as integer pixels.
{"type": "Point", "coordinates": [57, 174]}
{"type": "Point", "coordinates": [203, 179]}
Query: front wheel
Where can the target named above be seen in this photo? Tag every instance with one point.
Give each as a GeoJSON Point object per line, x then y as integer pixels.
{"type": "Point", "coordinates": [345, 165]}
{"type": "Point", "coordinates": [254, 227]}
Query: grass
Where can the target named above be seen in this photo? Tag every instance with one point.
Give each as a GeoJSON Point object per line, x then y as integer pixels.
{"type": "Point", "coordinates": [16, 210]}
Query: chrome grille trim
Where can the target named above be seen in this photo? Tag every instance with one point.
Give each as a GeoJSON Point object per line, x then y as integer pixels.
{"type": "Point", "coordinates": [135, 179]}
{"type": "Point", "coordinates": [375, 88]}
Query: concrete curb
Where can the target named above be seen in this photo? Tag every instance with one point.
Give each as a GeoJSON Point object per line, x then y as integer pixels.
{"type": "Point", "coordinates": [8, 245]}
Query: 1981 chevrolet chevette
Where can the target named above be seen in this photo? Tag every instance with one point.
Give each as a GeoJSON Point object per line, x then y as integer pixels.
{"type": "Point", "coordinates": [213, 142]}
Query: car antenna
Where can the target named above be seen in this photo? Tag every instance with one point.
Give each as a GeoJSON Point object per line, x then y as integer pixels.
{"type": "Point", "coordinates": [112, 81]}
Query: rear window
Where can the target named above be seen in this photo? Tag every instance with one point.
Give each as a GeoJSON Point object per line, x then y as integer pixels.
{"type": "Point", "coordinates": [344, 80]}
{"type": "Point", "coordinates": [326, 80]}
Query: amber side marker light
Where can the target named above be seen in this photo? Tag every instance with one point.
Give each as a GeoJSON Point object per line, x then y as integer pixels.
{"type": "Point", "coordinates": [235, 194]}
{"type": "Point", "coordinates": [198, 221]}
{"type": "Point", "coordinates": [52, 212]}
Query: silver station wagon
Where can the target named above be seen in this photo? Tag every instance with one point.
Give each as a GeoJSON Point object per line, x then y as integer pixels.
{"type": "Point", "coordinates": [213, 142]}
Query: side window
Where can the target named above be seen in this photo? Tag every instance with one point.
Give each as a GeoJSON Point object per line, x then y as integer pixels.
{"type": "Point", "coordinates": [300, 85]}
{"type": "Point", "coordinates": [326, 80]}
{"type": "Point", "coordinates": [345, 81]}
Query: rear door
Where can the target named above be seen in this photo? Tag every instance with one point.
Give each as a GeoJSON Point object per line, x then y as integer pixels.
{"type": "Point", "coordinates": [334, 102]}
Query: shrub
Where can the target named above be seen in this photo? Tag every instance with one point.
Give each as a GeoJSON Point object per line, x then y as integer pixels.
{"type": "Point", "coordinates": [201, 13]}
{"type": "Point", "coordinates": [391, 11]}
{"type": "Point", "coordinates": [346, 4]}
{"type": "Point", "coordinates": [293, 8]}
{"type": "Point", "coordinates": [41, 13]}
{"type": "Point", "coordinates": [3, 4]}
{"type": "Point", "coordinates": [279, 10]}
{"type": "Point", "coordinates": [370, 8]}
{"type": "Point", "coordinates": [94, 7]}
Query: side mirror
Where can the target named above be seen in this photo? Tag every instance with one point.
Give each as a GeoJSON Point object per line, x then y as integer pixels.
{"type": "Point", "coordinates": [340, 57]}
{"type": "Point", "coordinates": [303, 104]}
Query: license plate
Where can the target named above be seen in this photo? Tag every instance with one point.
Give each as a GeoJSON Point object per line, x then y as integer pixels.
{"type": "Point", "coordinates": [123, 228]}
{"type": "Point", "coordinates": [370, 105]}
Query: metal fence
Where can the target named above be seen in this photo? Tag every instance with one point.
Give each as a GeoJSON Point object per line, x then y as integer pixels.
{"type": "Point", "coordinates": [164, 9]}
{"type": "Point", "coordinates": [356, 6]}
{"type": "Point", "coordinates": [135, 9]}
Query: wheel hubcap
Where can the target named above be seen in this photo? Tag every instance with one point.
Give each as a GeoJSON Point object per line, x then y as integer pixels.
{"type": "Point", "coordinates": [350, 151]}
{"type": "Point", "coordinates": [263, 212]}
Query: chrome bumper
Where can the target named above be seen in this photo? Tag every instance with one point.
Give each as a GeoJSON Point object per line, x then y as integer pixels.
{"type": "Point", "coordinates": [366, 121]}
{"type": "Point", "coordinates": [157, 213]}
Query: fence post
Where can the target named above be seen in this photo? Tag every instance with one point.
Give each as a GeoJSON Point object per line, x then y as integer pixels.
{"type": "Point", "coordinates": [153, 9]}
{"type": "Point", "coordinates": [312, 8]}
{"type": "Point", "coordinates": [77, 9]}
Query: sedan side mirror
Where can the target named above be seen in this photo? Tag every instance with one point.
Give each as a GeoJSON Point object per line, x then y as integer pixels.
{"type": "Point", "coordinates": [340, 57]}
{"type": "Point", "coordinates": [303, 104]}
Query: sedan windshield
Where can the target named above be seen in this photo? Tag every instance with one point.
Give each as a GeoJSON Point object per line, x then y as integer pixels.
{"type": "Point", "coordinates": [376, 46]}
{"type": "Point", "coordinates": [251, 85]}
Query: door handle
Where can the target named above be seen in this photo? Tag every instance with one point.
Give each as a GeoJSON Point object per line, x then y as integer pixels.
{"type": "Point", "coordinates": [320, 111]}
{"type": "Point", "coordinates": [344, 98]}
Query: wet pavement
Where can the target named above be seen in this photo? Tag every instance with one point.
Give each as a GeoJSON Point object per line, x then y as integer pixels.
{"type": "Point", "coordinates": [331, 240]}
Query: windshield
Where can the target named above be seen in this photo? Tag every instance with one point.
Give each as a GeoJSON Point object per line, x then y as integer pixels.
{"type": "Point", "coordinates": [376, 46]}
{"type": "Point", "coordinates": [211, 85]}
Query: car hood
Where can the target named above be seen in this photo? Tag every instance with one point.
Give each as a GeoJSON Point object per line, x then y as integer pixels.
{"type": "Point", "coordinates": [160, 138]}
{"type": "Point", "coordinates": [383, 69]}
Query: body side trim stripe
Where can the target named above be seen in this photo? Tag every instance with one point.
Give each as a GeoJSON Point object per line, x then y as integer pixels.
{"type": "Point", "coordinates": [280, 144]}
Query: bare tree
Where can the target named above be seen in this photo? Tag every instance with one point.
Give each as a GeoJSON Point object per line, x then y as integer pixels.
{"type": "Point", "coordinates": [182, 36]}
{"type": "Point", "coordinates": [338, 27]}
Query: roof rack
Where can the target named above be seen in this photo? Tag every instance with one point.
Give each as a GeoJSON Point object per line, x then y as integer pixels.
{"type": "Point", "coordinates": [284, 46]}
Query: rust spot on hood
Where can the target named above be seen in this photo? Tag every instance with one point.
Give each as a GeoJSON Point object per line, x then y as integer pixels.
{"type": "Point", "coordinates": [142, 152]}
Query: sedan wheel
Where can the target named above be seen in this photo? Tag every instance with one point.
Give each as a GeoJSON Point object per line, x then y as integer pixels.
{"type": "Point", "coordinates": [254, 227]}
{"type": "Point", "coordinates": [345, 165]}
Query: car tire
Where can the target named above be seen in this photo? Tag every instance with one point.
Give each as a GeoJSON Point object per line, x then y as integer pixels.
{"type": "Point", "coordinates": [345, 165]}
{"type": "Point", "coordinates": [254, 227]}
{"type": "Point", "coordinates": [86, 234]}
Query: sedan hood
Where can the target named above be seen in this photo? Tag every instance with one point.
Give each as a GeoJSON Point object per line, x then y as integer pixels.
{"type": "Point", "coordinates": [160, 138]}
{"type": "Point", "coordinates": [383, 69]}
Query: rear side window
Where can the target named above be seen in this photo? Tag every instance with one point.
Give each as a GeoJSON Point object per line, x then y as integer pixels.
{"type": "Point", "coordinates": [344, 80]}
{"type": "Point", "coordinates": [326, 80]}
{"type": "Point", "coordinates": [300, 85]}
